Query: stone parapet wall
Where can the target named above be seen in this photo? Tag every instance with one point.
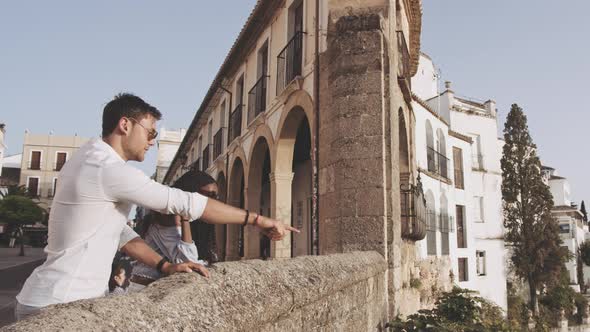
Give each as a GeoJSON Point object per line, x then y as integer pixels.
{"type": "Point", "coordinates": [344, 292]}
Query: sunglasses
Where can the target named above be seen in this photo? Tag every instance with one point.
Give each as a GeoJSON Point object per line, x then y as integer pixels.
{"type": "Point", "coordinates": [152, 133]}
{"type": "Point", "coordinates": [210, 194]}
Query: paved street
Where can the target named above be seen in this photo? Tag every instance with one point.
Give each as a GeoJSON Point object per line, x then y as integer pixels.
{"type": "Point", "coordinates": [14, 270]}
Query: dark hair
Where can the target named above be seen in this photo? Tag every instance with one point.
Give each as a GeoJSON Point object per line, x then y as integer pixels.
{"type": "Point", "coordinates": [191, 182]}
{"type": "Point", "coordinates": [125, 105]}
{"type": "Point", "coordinates": [119, 264]}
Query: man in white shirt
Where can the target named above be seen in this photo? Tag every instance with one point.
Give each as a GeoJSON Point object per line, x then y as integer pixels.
{"type": "Point", "coordinates": [94, 195]}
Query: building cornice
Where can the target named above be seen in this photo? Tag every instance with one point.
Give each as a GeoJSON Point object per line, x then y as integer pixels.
{"type": "Point", "coordinates": [414, 14]}
{"type": "Point", "coordinates": [460, 136]}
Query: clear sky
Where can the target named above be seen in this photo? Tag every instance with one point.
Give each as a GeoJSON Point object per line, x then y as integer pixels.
{"type": "Point", "coordinates": [61, 61]}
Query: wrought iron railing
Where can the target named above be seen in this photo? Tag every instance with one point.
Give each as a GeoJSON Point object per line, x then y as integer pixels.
{"type": "Point", "coordinates": [218, 143]}
{"type": "Point", "coordinates": [290, 61]}
{"type": "Point", "coordinates": [437, 163]}
{"type": "Point", "coordinates": [235, 123]}
{"type": "Point", "coordinates": [257, 98]}
{"type": "Point", "coordinates": [413, 211]}
{"type": "Point", "coordinates": [206, 157]}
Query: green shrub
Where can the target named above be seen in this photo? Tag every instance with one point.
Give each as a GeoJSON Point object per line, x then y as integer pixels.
{"type": "Point", "coordinates": [457, 310]}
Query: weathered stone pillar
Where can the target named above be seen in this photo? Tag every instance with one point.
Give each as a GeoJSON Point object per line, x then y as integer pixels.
{"type": "Point", "coordinates": [233, 235]}
{"type": "Point", "coordinates": [280, 188]}
{"type": "Point", "coordinates": [251, 236]}
{"type": "Point", "coordinates": [355, 138]}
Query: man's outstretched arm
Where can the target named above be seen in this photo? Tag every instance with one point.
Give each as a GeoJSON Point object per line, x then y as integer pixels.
{"type": "Point", "coordinates": [139, 250]}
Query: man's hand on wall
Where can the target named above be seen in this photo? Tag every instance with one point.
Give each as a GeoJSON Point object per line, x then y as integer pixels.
{"type": "Point", "coordinates": [169, 268]}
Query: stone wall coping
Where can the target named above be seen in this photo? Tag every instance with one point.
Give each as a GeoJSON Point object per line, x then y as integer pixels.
{"type": "Point", "coordinates": [237, 296]}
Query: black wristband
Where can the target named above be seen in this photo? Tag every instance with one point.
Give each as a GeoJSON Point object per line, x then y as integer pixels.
{"type": "Point", "coordinates": [161, 264]}
{"type": "Point", "coordinates": [247, 216]}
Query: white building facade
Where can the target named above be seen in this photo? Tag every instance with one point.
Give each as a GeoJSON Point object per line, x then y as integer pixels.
{"type": "Point", "coordinates": [168, 143]}
{"type": "Point", "coordinates": [458, 152]}
{"type": "Point", "coordinates": [573, 230]}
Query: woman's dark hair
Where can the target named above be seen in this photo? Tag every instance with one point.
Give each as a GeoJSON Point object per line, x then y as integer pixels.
{"type": "Point", "coordinates": [125, 105]}
{"type": "Point", "coordinates": [191, 181]}
{"type": "Point", "coordinates": [118, 266]}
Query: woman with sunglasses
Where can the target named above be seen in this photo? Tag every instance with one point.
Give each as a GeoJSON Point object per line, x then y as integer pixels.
{"type": "Point", "coordinates": [172, 237]}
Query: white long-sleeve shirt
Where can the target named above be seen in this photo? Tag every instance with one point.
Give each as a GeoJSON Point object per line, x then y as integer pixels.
{"type": "Point", "coordinates": [87, 223]}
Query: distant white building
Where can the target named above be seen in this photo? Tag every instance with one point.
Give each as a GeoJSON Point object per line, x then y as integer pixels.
{"type": "Point", "coordinates": [572, 228]}
{"type": "Point", "coordinates": [167, 146]}
{"type": "Point", "coordinates": [42, 159]}
{"type": "Point", "coordinates": [458, 153]}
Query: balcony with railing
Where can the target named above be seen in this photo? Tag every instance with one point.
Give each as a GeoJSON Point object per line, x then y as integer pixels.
{"type": "Point", "coordinates": [290, 61]}
{"type": "Point", "coordinates": [206, 157]}
{"type": "Point", "coordinates": [413, 212]}
{"type": "Point", "coordinates": [218, 143]}
{"type": "Point", "coordinates": [235, 123]}
{"type": "Point", "coordinates": [437, 163]}
{"type": "Point", "coordinates": [257, 98]}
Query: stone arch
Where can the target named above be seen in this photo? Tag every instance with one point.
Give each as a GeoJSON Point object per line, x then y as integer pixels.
{"type": "Point", "coordinates": [429, 135]}
{"type": "Point", "coordinates": [298, 99]}
{"type": "Point", "coordinates": [293, 166]}
{"type": "Point", "coordinates": [237, 153]}
{"type": "Point", "coordinates": [259, 196]}
{"type": "Point", "coordinates": [263, 131]}
{"type": "Point", "coordinates": [441, 145]}
{"type": "Point", "coordinates": [236, 197]}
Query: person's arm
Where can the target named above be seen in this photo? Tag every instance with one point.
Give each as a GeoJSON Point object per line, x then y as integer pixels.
{"type": "Point", "coordinates": [217, 212]}
{"type": "Point", "coordinates": [122, 182]}
{"type": "Point", "coordinates": [139, 250]}
{"type": "Point", "coordinates": [185, 229]}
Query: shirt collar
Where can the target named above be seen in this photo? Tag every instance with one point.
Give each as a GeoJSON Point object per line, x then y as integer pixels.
{"type": "Point", "coordinates": [107, 148]}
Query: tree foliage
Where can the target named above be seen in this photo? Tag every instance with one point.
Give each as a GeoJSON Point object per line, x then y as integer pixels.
{"type": "Point", "coordinates": [457, 310]}
{"type": "Point", "coordinates": [584, 250]}
{"type": "Point", "coordinates": [531, 231]}
{"type": "Point", "coordinates": [19, 211]}
{"type": "Point", "coordinates": [584, 212]}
